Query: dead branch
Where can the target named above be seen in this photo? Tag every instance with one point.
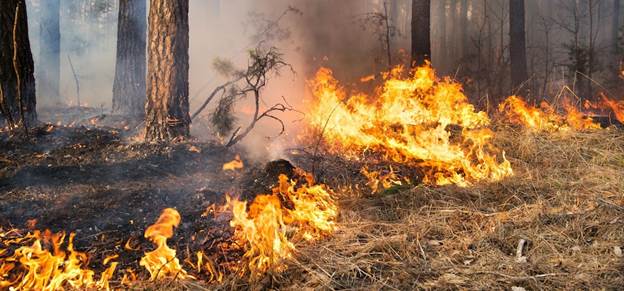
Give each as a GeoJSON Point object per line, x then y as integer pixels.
{"type": "Point", "coordinates": [218, 89]}
{"type": "Point", "coordinates": [262, 64]}
{"type": "Point", "coordinates": [71, 65]}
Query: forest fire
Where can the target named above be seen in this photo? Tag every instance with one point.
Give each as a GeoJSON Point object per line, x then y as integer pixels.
{"type": "Point", "coordinates": [266, 231]}
{"type": "Point", "coordinates": [269, 225]}
{"type": "Point", "coordinates": [44, 261]}
{"type": "Point", "coordinates": [411, 120]}
{"type": "Point", "coordinates": [545, 118]}
{"type": "Point", "coordinates": [207, 145]}
{"type": "Point", "coordinates": [162, 262]}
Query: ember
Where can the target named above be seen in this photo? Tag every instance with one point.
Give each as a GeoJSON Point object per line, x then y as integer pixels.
{"type": "Point", "coordinates": [235, 164]}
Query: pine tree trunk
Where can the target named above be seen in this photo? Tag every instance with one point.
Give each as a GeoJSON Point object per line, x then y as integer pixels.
{"type": "Point", "coordinates": [464, 29]}
{"type": "Point", "coordinates": [167, 110]}
{"type": "Point", "coordinates": [16, 66]}
{"type": "Point", "coordinates": [517, 43]}
{"type": "Point", "coordinates": [129, 84]}
{"type": "Point", "coordinates": [615, 29]}
{"type": "Point", "coordinates": [421, 29]}
{"type": "Point", "coordinates": [49, 70]}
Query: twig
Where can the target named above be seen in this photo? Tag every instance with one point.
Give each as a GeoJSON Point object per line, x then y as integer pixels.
{"type": "Point", "coordinates": [521, 278]}
{"type": "Point", "coordinates": [318, 142]}
{"type": "Point", "coordinates": [71, 65]}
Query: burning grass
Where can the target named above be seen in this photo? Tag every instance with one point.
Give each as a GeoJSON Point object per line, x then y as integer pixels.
{"type": "Point", "coordinates": [566, 200]}
{"type": "Point", "coordinates": [423, 181]}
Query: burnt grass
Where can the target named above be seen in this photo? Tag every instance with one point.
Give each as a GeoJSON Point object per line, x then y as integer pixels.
{"type": "Point", "coordinates": [566, 199]}
{"type": "Point", "coordinates": [91, 182]}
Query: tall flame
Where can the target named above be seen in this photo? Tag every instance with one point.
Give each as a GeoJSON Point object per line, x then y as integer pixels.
{"type": "Point", "coordinates": [616, 106]}
{"type": "Point", "coordinates": [410, 120]}
{"type": "Point", "coordinates": [269, 225]}
{"type": "Point", "coordinates": [34, 267]}
{"type": "Point", "coordinates": [162, 262]}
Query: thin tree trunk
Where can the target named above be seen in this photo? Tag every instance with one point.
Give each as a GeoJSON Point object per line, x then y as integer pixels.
{"type": "Point", "coordinates": [167, 110]}
{"type": "Point", "coordinates": [615, 29]}
{"type": "Point", "coordinates": [464, 29]}
{"type": "Point", "coordinates": [17, 79]}
{"type": "Point", "coordinates": [517, 43]}
{"type": "Point", "coordinates": [49, 70]}
{"type": "Point", "coordinates": [129, 83]}
{"type": "Point", "coordinates": [442, 38]}
{"type": "Point", "coordinates": [421, 30]}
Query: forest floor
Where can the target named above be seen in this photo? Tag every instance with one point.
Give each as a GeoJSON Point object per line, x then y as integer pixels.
{"type": "Point", "coordinates": [564, 206]}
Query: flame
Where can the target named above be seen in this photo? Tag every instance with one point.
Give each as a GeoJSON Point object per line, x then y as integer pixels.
{"type": "Point", "coordinates": [616, 106]}
{"type": "Point", "coordinates": [35, 267]}
{"type": "Point", "coordinates": [410, 120]}
{"type": "Point", "coordinates": [377, 179]}
{"type": "Point", "coordinates": [268, 227]}
{"type": "Point", "coordinates": [162, 262]}
{"type": "Point", "coordinates": [235, 164]}
{"type": "Point", "coordinates": [368, 78]}
{"type": "Point", "coordinates": [545, 118]}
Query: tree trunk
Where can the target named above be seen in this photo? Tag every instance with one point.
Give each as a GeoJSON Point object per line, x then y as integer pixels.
{"type": "Point", "coordinates": [17, 81]}
{"type": "Point", "coordinates": [129, 83]}
{"type": "Point", "coordinates": [615, 30]}
{"type": "Point", "coordinates": [464, 46]}
{"type": "Point", "coordinates": [49, 70]}
{"type": "Point", "coordinates": [167, 110]}
{"type": "Point", "coordinates": [441, 64]}
{"type": "Point", "coordinates": [517, 43]}
{"type": "Point", "coordinates": [421, 38]}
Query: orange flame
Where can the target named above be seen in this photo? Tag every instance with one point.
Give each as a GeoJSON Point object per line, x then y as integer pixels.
{"type": "Point", "coordinates": [235, 164]}
{"type": "Point", "coordinates": [545, 118]}
{"type": "Point", "coordinates": [162, 262]}
{"type": "Point", "coordinates": [34, 267]}
{"type": "Point", "coordinates": [378, 180]}
{"type": "Point", "coordinates": [410, 120]}
{"type": "Point", "coordinates": [616, 106]}
{"type": "Point", "coordinates": [268, 227]}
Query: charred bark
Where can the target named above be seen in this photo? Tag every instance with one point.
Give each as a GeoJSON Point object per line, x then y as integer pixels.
{"type": "Point", "coordinates": [17, 81]}
{"type": "Point", "coordinates": [129, 84]}
{"type": "Point", "coordinates": [49, 70]}
{"type": "Point", "coordinates": [421, 31]}
{"type": "Point", "coordinates": [167, 109]}
{"type": "Point", "coordinates": [517, 43]}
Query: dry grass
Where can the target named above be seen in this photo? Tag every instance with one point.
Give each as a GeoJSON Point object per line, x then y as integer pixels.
{"type": "Point", "coordinates": [566, 199]}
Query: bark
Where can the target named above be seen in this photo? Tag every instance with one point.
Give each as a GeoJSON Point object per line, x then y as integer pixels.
{"type": "Point", "coordinates": [17, 81]}
{"type": "Point", "coordinates": [49, 70]}
{"type": "Point", "coordinates": [421, 31]}
{"type": "Point", "coordinates": [167, 110]}
{"type": "Point", "coordinates": [129, 84]}
{"type": "Point", "coordinates": [517, 43]}
{"type": "Point", "coordinates": [615, 29]}
{"type": "Point", "coordinates": [442, 38]}
{"type": "Point", "coordinates": [464, 46]}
